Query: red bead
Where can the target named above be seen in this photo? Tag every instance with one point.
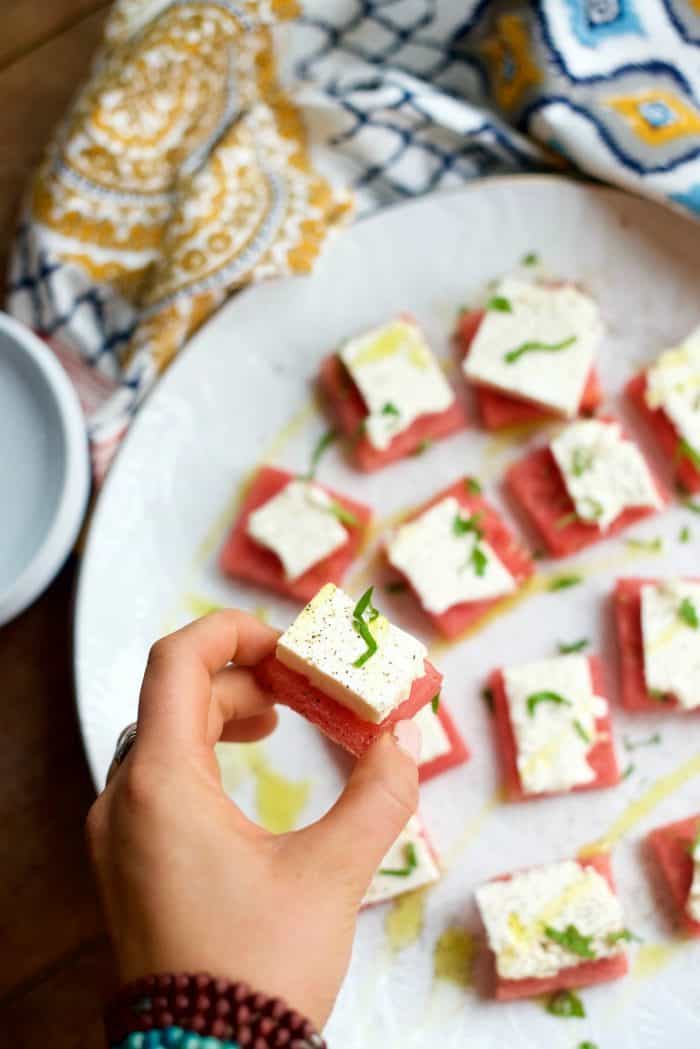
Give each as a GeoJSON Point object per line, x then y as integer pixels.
{"type": "Point", "coordinates": [181, 982]}
{"type": "Point", "coordinates": [218, 1029]}
{"type": "Point", "coordinates": [222, 1007]}
{"type": "Point", "coordinates": [294, 1021]}
{"type": "Point", "coordinates": [181, 1003]}
{"type": "Point", "coordinates": [202, 1003]}
{"type": "Point", "coordinates": [160, 1001]}
{"type": "Point", "coordinates": [275, 1008]}
{"type": "Point", "coordinates": [282, 1038]}
{"type": "Point", "coordinates": [164, 1019]}
{"type": "Point", "coordinates": [222, 986]}
{"type": "Point", "coordinates": [244, 1037]}
{"type": "Point", "coordinates": [164, 981]}
{"type": "Point", "coordinates": [201, 981]}
{"type": "Point", "coordinates": [266, 1026]}
{"type": "Point", "coordinates": [261, 1043]}
{"type": "Point", "coordinates": [197, 1023]}
{"type": "Point", "coordinates": [308, 1029]}
{"type": "Point", "coordinates": [242, 1015]}
{"type": "Point", "coordinates": [241, 991]}
{"type": "Point", "coordinates": [257, 1002]}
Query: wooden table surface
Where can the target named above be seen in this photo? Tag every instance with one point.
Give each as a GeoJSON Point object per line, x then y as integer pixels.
{"type": "Point", "coordinates": [54, 962]}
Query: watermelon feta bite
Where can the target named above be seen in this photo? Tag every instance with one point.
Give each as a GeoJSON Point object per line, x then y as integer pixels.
{"type": "Point", "coordinates": [348, 670]}
{"type": "Point", "coordinates": [554, 928]}
{"type": "Point", "coordinates": [293, 535]}
{"type": "Point", "coordinates": [442, 747]}
{"type": "Point", "coordinates": [459, 557]}
{"type": "Point", "coordinates": [411, 863]}
{"type": "Point", "coordinates": [668, 397]}
{"type": "Point", "coordinates": [589, 483]}
{"type": "Point", "coordinates": [530, 354]}
{"type": "Point", "coordinates": [388, 394]}
{"type": "Point", "coordinates": [676, 850]}
{"type": "Point", "coordinates": [658, 632]}
{"type": "Point", "coordinates": [552, 727]}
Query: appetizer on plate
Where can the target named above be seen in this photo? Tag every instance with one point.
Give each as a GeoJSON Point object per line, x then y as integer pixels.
{"type": "Point", "coordinates": [589, 483]}
{"type": "Point", "coordinates": [292, 535]}
{"type": "Point", "coordinates": [658, 631]}
{"type": "Point", "coordinates": [554, 928]}
{"type": "Point", "coordinates": [442, 747]}
{"type": "Point", "coordinates": [348, 670]}
{"type": "Point", "coordinates": [668, 396]}
{"type": "Point", "coordinates": [530, 353]}
{"type": "Point", "coordinates": [459, 557]}
{"type": "Point", "coordinates": [553, 728]}
{"type": "Point", "coordinates": [388, 394]}
{"type": "Point", "coordinates": [411, 863]}
{"type": "Point", "coordinates": [676, 850]}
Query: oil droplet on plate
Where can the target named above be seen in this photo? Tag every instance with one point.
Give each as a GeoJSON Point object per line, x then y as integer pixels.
{"type": "Point", "coordinates": [453, 956]}
{"type": "Point", "coordinates": [404, 922]}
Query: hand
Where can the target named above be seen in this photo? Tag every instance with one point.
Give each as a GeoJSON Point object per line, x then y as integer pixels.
{"type": "Point", "coordinates": [187, 882]}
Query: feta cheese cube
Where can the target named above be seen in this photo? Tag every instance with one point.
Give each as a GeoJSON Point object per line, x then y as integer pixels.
{"type": "Point", "coordinates": [411, 845]}
{"type": "Point", "coordinates": [436, 554]}
{"type": "Point", "coordinates": [671, 643]}
{"type": "Point", "coordinates": [673, 384]}
{"type": "Point", "coordinates": [694, 897]}
{"type": "Point", "coordinates": [435, 742]}
{"type": "Point", "coordinates": [521, 913]}
{"type": "Point", "coordinates": [541, 348]}
{"type": "Point", "coordinates": [323, 645]}
{"type": "Point", "coordinates": [299, 526]}
{"type": "Point", "coordinates": [553, 712]}
{"type": "Point", "coordinates": [398, 378]}
{"type": "Point", "coordinates": [604, 473]}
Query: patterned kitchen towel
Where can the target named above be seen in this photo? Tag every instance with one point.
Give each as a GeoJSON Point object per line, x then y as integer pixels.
{"type": "Point", "coordinates": [216, 141]}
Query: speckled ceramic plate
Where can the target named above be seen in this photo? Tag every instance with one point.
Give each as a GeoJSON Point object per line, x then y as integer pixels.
{"type": "Point", "coordinates": [240, 395]}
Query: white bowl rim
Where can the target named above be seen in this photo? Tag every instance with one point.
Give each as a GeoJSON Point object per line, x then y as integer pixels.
{"type": "Point", "coordinates": [70, 509]}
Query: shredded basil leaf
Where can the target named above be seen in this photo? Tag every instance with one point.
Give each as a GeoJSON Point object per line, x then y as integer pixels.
{"type": "Point", "coordinates": [565, 520]}
{"type": "Point", "coordinates": [646, 546]}
{"type": "Point", "coordinates": [403, 872]}
{"type": "Point", "coordinates": [422, 447]}
{"type": "Point", "coordinates": [685, 450]}
{"type": "Point", "coordinates": [545, 696]}
{"type": "Point", "coordinates": [635, 744]}
{"type": "Point", "coordinates": [566, 1003]}
{"type": "Point", "coordinates": [343, 514]}
{"type": "Point", "coordinates": [563, 582]}
{"type": "Point", "coordinates": [597, 509]}
{"type": "Point", "coordinates": [572, 940]}
{"type": "Point", "coordinates": [467, 525]}
{"type": "Point", "coordinates": [587, 1045]}
{"type": "Point", "coordinates": [323, 444]}
{"type": "Point", "coordinates": [567, 647]}
{"type": "Point", "coordinates": [693, 507]}
{"type": "Point", "coordinates": [479, 560]}
{"type": "Point", "coordinates": [659, 695]}
{"type": "Point", "coordinates": [531, 259]}
{"type": "Point", "coordinates": [582, 460]}
{"type": "Point", "coordinates": [361, 625]}
{"type": "Point", "coordinates": [623, 936]}
{"type": "Point", "coordinates": [688, 613]}
{"type": "Point", "coordinates": [581, 731]}
{"type": "Point", "coordinates": [534, 346]}
{"type": "Point", "coordinates": [435, 703]}
{"type": "Point", "coordinates": [629, 770]}
{"type": "Point", "coordinates": [684, 535]}
{"type": "Point", "coordinates": [500, 304]}
{"type": "Point", "coordinates": [473, 486]}
{"type": "Point", "coordinates": [390, 409]}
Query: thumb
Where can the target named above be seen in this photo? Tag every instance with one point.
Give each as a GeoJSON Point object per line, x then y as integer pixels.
{"type": "Point", "coordinates": [379, 799]}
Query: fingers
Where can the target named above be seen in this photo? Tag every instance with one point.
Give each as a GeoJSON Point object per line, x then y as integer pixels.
{"type": "Point", "coordinates": [177, 695]}
{"type": "Point", "coordinates": [250, 730]}
{"type": "Point", "coordinates": [235, 695]}
{"type": "Point", "coordinates": [378, 801]}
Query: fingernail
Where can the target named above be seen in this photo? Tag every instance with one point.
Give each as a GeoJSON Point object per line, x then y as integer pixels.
{"type": "Point", "coordinates": [408, 736]}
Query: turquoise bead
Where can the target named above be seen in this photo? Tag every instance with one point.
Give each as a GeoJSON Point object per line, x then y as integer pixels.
{"type": "Point", "coordinates": [172, 1037]}
{"type": "Point", "coordinates": [191, 1041]}
{"type": "Point", "coordinates": [135, 1040]}
{"type": "Point", "coordinates": [154, 1040]}
{"type": "Point", "coordinates": [213, 1043]}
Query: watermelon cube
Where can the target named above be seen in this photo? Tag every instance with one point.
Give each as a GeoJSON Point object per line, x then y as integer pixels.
{"type": "Point", "coordinates": [458, 753]}
{"type": "Point", "coordinates": [670, 847]}
{"type": "Point", "coordinates": [585, 974]}
{"type": "Point", "coordinates": [537, 487]}
{"type": "Point", "coordinates": [347, 407]}
{"type": "Point", "coordinates": [498, 535]}
{"type": "Point", "coordinates": [410, 864]}
{"type": "Point", "coordinates": [243, 558]}
{"type": "Point", "coordinates": [686, 471]}
{"type": "Point", "coordinates": [601, 757]}
{"type": "Point", "coordinates": [498, 410]}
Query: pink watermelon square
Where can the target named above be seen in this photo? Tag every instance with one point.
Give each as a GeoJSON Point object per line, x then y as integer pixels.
{"type": "Point", "coordinates": [512, 553]}
{"type": "Point", "coordinates": [537, 486]}
{"type": "Point", "coordinates": [670, 846]}
{"type": "Point", "coordinates": [340, 724]}
{"type": "Point", "coordinates": [585, 974]}
{"type": "Point", "coordinates": [347, 407]}
{"type": "Point", "coordinates": [499, 410]}
{"type": "Point", "coordinates": [601, 757]}
{"type": "Point", "coordinates": [457, 755]}
{"type": "Point", "coordinates": [635, 696]}
{"type": "Point", "coordinates": [243, 558]}
{"type": "Point", "coordinates": [668, 438]}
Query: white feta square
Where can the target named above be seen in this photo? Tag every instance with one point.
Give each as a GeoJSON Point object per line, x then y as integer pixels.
{"type": "Point", "coordinates": [673, 384]}
{"type": "Point", "coordinates": [603, 471]}
{"type": "Point", "coordinates": [408, 865]}
{"type": "Point", "coordinates": [446, 560]}
{"type": "Point", "coordinates": [553, 711]}
{"type": "Point", "coordinates": [398, 377]}
{"type": "Point", "coordinates": [539, 346]}
{"type": "Point", "coordinates": [435, 742]}
{"type": "Point", "coordinates": [527, 916]}
{"type": "Point", "coordinates": [323, 644]}
{"type": "Point", "coordinates": [300, 525]}
{"type": "Point", "coordinates": [671, 641]}
{"type": "Point", "coordinates": [694, 896]}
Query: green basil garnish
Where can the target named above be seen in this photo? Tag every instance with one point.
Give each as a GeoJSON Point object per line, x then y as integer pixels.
{"type": "Point", "coordinates": [324, 442]}
{"type": "Point", "coordinates": [563, 582]}
{"type": "Point", "coordinates": [688, 613]}
{"type": "Point", "coordinates": [365, 613]}
{"type": "Point", "coordinates": [566, 1003]}
{"type": "Point", "coordinates": [567, 647]}
{"type": "Point", "coordinates": [581, 731]}
{"type": "Point", "coordinates": [533, 346]}
{"type": "Point", "coordinates": [546, 696]}
{"type": "Point", "coordinates": [403, 872]}
{"type": "Point", "coordinates": [435, 703]}
{"type": "Point", "coordinates": [572, 940]}
{"type": "Point", "coordinates": [343, 514]}
{"type": "Point", "coordinates": [499, 304]}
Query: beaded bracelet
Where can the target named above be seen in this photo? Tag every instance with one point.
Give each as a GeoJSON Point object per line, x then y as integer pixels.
{"type": "Point", "coordinates": [186, 1011]}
